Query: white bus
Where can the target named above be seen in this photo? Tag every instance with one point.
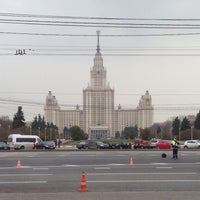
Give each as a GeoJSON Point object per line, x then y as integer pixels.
{"type": "Point", "coordinates": [18, 141]}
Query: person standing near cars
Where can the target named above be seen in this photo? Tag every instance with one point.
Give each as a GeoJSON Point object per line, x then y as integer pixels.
{"type": "Point", "coordinates": [59, 143]}
{"type": "Point", "coordinates": [175, 144]}
{"type": "Point", "coordinates": [33, 145]}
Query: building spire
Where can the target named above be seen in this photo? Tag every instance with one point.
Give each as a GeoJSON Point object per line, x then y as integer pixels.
{"type": "Point", "coordinates": [98, 46]}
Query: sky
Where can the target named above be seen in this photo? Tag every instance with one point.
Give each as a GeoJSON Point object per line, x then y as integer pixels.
{"type": "Point", "coordinates": [158, 54]}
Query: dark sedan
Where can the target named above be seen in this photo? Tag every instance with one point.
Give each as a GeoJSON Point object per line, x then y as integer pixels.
{"type": "Point", "coordinates": [45, 145]}
{"type": "Point", "coordinates": [120, 145]}
{"type": "Point", "coordinates": [82, 145]}
{"type": "Point", "coordinates": [89, 144]}
{"type": "Point", "coordinates": [4, 146]}
{"type": "Point", "coordinates": [102, 145]}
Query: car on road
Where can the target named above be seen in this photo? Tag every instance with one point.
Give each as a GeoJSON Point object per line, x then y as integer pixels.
{"type": "Point", "coordinates": [153, 142]}
{"type": "Point", "coordinates": [163, 144]}
{"type": "Point", "coordinates": [4, 146]}
{"type": "Point", "coordinates": [120, 145]}
{"type": "Point", "coordinates": [141, 144]}
{"type": "Point", "coordinates": [45, 145]}
{"type": "Point", "coordinates": [82, 145]}
{"type": "Point", "coordinates": [191, 144]}
{"type": "Point", "coordinates": [91, 144]}
{"type": "Point", "coordinates": [102, 145]}
{"type": "Point", "coordinates": [87, 144]}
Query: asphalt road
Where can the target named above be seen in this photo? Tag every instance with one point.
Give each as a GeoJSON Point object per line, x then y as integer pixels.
{"type": "Point", "coordinates": [109, 175]}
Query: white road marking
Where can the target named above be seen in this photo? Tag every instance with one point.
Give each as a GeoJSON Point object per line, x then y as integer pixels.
{"type": "Point", "coordinates": [117, 164]}
{"type": "Point", "coordinates": [163, 167]}
{"type": "Point", "coordinates": [70, 165]}
{"type": "Point", "coordinates": [142, 181]}
{"type": "Point", "coordinates": [167, 173]}
{"type": "Point", "coordinates": [23, 182]}
{"type": "Point", "coordinates": [160, 163]}
{"type": "Point", "coordinates": [102, 165]}
{"type": "Point", "coordinates": [41, 168]}
{"type": "Point", "coordinates": [102, 168]}
{"type": "Point", "coordinates": [26, 175]}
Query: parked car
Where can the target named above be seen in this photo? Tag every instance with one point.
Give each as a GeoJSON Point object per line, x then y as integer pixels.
{"type": "Point", "coordinates": [153, 142]}
{"type": "Point", "coordinates": [141, 144]}
{"type": "Point", "coordinates": [82, 145]}
{"type": "Point", "coordinates": [4, 146]}
{"type": "Point", "coordinates": [45, 145]}
{"type": "Point", "coordinates": [102, 145]}
{"type": "Point", "coordinates": [192, 144]}
{"type": "Point", "coordinates": [120, 145]}
{"type": "Point", "coordinates": [163, 144]}
{"type": "Point", "coordinates": [88, 144]}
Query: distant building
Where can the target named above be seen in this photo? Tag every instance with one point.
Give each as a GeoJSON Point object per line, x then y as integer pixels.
{"type": "Point", "coordinates": [98, 118]}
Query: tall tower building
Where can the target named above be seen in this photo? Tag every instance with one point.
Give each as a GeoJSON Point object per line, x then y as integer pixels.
{"type": "Point", "coordinates": [98, 101]}
{"type": "Point", "coordinates": [98, 118]}
{"type": "Point", "coordinates": [52, 109]}
{"type": "Point", "coordinates": [145, 111]}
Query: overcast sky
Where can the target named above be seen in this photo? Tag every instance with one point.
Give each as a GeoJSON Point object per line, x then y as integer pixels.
{"type": "Point", "coordinates": [167, 65]}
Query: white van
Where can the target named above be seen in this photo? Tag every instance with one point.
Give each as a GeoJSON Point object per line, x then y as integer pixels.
{"type": "Point", "coordinates": [18, 141]}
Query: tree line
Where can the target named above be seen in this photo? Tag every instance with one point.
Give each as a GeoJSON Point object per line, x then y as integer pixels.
{"type": "Point", "coordinates": [46, 131]}
{"type": "Point", "coordinates": [183, 129]}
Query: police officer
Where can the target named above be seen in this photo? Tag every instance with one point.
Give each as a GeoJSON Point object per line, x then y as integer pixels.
{"type": "Point", "coordinates": [175, 144]}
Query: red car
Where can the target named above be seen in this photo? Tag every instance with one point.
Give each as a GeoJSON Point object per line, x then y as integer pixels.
{"type": "Point", "coordinates": [141, 144]}
{"type": "Point", "coordinates": [163, 144]}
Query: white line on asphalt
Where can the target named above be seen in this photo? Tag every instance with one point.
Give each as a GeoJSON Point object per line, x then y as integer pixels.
{"type": "Point", "coordinates": [160, 163]}
{"type": "Point", "coordinates": [22, 182]}
{"type": "Point", "coordinates": [71, 165]}
{"type": "Point", "coordinates": [41, 168]}
{"type": "Point", "coordinates": [142, 181]}
{"type": "Point", "coordinates": [22, 167]}
{"type": "Point", "coordinates": [102, 165]}
{"type": "Point", "coordinates": [117, 164]}
{"type": "Point", "coordinates": [163, 167]}
{"type": "Point", "coordinates": [168, 173]}
{"type": "Point", "coordinates": [26, 175]}
{"type": "Point", "coordinates": [102, 168]}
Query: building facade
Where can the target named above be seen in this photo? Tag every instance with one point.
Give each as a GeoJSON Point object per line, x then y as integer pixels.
{"type": "Point", "coordinates": [98, 118]}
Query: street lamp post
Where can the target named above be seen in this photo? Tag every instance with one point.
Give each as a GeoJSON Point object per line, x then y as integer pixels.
{"type": "Point", "coordinates": [192, 132]}
{"type": "Point", "coordinates": [171, 135]}
{"type": "Point", "coordinates": [45, 133]}
{"type": "Point", "coordinates": [39, 131]}
{"type": "Point", "coordinates": [55, 134]}
{"type": "Point", "coordinates": [30, 130]}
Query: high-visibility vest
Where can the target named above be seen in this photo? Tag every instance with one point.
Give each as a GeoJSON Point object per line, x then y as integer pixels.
{"type": "Point", "coordinates": [174, 143]}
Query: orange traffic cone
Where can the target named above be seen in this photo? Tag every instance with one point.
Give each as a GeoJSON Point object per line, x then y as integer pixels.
{"type": "Point", "coordinates": [83, 187]}
{"type": "Point", "coordinates": [131, 161]}
{"type": "Point", "coordinates": [18, 164]}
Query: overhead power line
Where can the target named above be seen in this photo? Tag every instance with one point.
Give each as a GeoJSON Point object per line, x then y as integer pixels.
{"type": "Point", "coordinates": [170, 107]}
{"type": "Point", "coordinates": [103, 35]}
{"type": "Point", "coordinates": [101, 24]}
{"type": "Point", "coordinates": [54, 22]}
{"type": "Point", "coordinates": [95, 18]}
{"type": "Point", "coordinates": [119, 55]}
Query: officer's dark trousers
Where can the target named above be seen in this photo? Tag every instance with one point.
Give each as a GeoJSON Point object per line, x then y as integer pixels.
{"type": "Point", "coordinates": [175, 153]}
